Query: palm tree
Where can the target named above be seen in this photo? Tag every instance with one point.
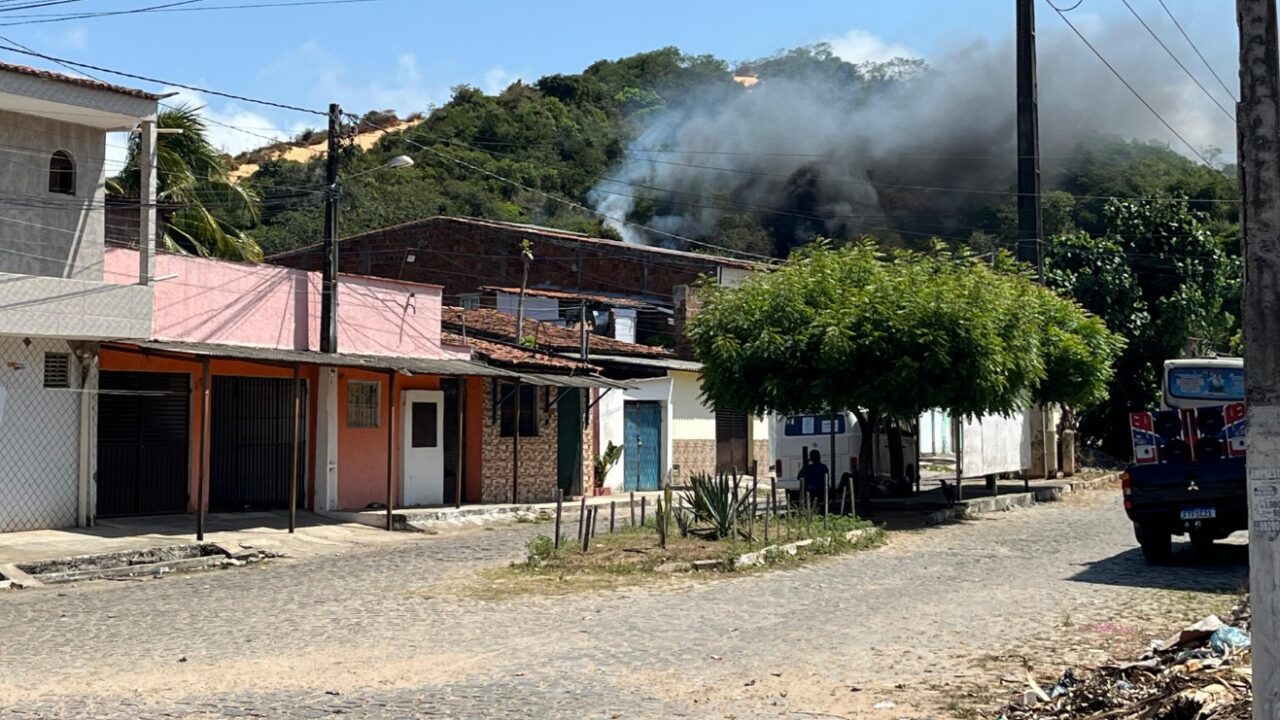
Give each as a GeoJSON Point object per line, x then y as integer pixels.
{"type": "Point", "coordinates": [192, 178]}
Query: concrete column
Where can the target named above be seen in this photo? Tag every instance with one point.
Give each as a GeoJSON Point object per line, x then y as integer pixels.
{"type": "Point", "coordinates": [86, 497]}
{"type": "Point", "coordinates": [147, 202]}
{"type": "Point", "coordinates": [326, 462]}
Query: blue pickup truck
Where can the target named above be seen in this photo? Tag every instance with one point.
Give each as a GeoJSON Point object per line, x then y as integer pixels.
{"type": "Point", "coordinates": [1188, 471]}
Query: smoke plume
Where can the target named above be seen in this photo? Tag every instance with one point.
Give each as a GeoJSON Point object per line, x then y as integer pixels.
{"type": "Point", "coordinates": [908, 157]}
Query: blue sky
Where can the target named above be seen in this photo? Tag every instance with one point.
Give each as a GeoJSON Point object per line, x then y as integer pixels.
{"type": "Point", "coordinates": [406, 54]}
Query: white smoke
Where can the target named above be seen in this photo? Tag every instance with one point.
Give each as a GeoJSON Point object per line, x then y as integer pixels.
{"type": "Point", "coordinates": [811, 149]}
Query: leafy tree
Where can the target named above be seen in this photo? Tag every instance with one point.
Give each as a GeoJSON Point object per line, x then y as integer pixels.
{"type": "Point", "coordinates": [1160, 278]}
{"type": "Point", "coordinates": [201, 209]}
{"type": "Point", "coordinates": [890, 336]}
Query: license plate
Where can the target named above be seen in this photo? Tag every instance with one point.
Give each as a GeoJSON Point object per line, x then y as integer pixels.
{"type": "Point", "coordinates": [1199, 514]}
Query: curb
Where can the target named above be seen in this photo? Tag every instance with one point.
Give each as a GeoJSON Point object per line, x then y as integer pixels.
{"type": "Point", "coordinates": [1000, 503]}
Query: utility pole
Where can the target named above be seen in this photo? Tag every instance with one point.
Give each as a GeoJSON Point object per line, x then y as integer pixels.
{"type": "Point", "coordinates": [329, 282]}
{"type": "Point", "coordinates": [1258, 124]}
{"type": "Point", "coordinates": [1029, 225]}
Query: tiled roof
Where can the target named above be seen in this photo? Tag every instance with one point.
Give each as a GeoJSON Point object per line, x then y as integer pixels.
{"type": "Point", "coordinates": [514, 357]}
{"type": "Point", "coordinates": [495, 324]}
{"type": "Point", "coordinates": [81, 81]}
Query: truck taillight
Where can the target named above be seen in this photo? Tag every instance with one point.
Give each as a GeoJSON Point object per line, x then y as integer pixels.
{"type": "Point", "coordinates": [777, 468]}
{"type": "Point", "coordinates": [1126, 483]}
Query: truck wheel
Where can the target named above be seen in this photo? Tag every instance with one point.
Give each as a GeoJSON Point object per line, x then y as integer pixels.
{"type": "Point", "coordinates": [1156, 542]}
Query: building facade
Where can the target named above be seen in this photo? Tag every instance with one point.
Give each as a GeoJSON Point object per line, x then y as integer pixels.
{"type": "Point", "coordinates": [56, 305]}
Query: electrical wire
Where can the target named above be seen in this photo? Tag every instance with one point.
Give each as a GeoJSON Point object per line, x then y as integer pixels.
{"type": "Point", "coordinates": [175, 7]}
{"type": "Point", "coordinates": [1193, 45]}
{"type": "Point", "coordinates": [145, 78]}
{"type": "Point", "coordinates": [1062, 14]}
{"type": "Point", "coordinates": [1194, 79]}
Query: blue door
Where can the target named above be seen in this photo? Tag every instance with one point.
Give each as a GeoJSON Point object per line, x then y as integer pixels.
{"type": "Point", "coordinates": [642, 446]}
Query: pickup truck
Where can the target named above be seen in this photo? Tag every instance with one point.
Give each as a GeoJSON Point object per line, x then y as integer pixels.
{"type": "Point", "coordinates": [1188, 472]}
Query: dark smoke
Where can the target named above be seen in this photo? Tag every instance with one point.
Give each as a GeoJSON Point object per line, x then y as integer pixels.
{"type": "Point", "coordinates": [912, 157]}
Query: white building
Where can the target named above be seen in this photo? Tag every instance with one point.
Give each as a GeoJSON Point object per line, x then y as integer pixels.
{"type": "Point", "coordinates": [54, 304]}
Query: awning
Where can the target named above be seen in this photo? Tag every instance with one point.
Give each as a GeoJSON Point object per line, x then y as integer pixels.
{"type": "Point", "coordinates": [415, 366]}
{"type": "Point", "coordinates": [649, 362]}
{"type": "Point", "coordinates": [575, 381]}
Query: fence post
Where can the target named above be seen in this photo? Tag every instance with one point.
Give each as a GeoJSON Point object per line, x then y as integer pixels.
{"type": "Point", "coordinates": [582, 516]}
{"type": "Point", "coordinates": [632, 506]}
{"type": "Point", "coordinates": [643, 500]}
{"type": "Point", "coordinates": [613, 511]}
{"type": "Point", "coordinates": [559, 510]}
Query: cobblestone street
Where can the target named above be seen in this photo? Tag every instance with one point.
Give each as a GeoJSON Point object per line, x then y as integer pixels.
{"type": "Point", "coordinates": [387, 632]}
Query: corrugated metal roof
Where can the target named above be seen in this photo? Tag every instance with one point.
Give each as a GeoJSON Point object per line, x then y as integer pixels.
{"type": "Point", "coordinates": [417, 366]}
{"type": "Point", "coordinates": [665, 363]}
{"type": "Point", "coordinates": [578, 381]}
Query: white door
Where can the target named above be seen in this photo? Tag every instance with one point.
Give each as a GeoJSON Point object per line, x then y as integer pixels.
{"type": "Point", "coordinates": [423, 465]}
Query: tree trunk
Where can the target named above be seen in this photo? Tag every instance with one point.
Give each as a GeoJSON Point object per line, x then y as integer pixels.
{"type": "Point", "coordinates": [866, 429]}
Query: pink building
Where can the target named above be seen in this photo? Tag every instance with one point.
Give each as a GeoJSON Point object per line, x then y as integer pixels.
{"type": "Point", "coordinates": [230, 406]}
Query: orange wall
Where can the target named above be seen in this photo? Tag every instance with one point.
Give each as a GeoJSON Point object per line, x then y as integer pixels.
{"type": "Point", "coordinates": [362, 452]}
{"type": "Point", "coordinates": [110, 359]}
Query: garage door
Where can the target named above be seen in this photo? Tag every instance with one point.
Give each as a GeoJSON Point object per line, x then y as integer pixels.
{"type": "Point", "coordinates": [143, 435]}
{"type": "Point", "coordinates": [250, 443]}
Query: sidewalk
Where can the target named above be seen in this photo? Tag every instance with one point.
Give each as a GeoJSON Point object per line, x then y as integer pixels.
{"type": "Point", "coordinates": [439, 518]}
{"type": "Point", "coordinates": [261, 530]}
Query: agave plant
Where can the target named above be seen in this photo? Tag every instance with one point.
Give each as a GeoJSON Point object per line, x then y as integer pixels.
{"type": "Point", "coordinates": [193, 177]}
{"type": "Point", "coordinates": [718, 508]}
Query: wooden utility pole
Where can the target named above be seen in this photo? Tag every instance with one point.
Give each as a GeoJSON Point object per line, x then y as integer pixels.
{"type": "Point", "coordinates": [1258, 125]}
{"type": "Point", "coordinates": [329, 280]}
{"type": "Point", "coordinates": [1029, 225]}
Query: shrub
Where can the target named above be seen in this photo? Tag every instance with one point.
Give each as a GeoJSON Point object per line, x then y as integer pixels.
{"type": "Point", "coordinates": [541, 548]}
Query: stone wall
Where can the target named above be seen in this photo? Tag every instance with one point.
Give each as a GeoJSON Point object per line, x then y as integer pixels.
{"type": "Point", "coordinates": [537, 481]}
{"type": "Point", "coordinates": [760, 453]}
{"type": "Point", "coordinates": [693, 456]}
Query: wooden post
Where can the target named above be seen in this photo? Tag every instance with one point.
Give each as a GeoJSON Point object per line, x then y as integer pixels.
{"type": "Point", "coordinates": [643, 500]}
{"type": "Point", "coordinates": [515, 446]}
{"type": "Point", "coordinates": [586, 531]}
{"type": "Point", "coordinates": [755, 499]}
{"type": "Point", "coordinates": [293, 456]}
{"type": "Point", "coordinates": [391, 447]}
{"type": "Point", "coordinates": [582, 516]}
{"type": "Point", "coordinates": [202, 482]}
{"type": "Point", "coordinates": [768, 508]}
{"type": "Point", "coordinates": [613, 513]}
{"type": "Point", "coordinates": [559, 512]}
{"type": "Point", "coordinates": [632, 505]}
{"type": "Point", "coordinates": [462, 444]}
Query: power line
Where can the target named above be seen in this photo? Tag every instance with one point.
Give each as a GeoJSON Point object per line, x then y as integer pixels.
{"type": "Point", "coordinates": [121, 73]}
{"type": "Point", "coordinates": [1130, 87]}
{"type": "Point", "coordinates": [1194, 79]}
{"type": "Point", "coordinates": [174, 8]}
{"type": "Point", "coordinates": [1198, 53]}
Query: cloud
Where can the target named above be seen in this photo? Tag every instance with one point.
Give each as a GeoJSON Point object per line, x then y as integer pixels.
{"type": "Point", "coordinates": [74, 38]}
{"type": "Point", "coordinates": [858, 46]}
{"type": "Point", "coordinates": [498, 79]}
{"type": "Point", "coordinates": [324, 78]}
{"type": "Point", "coordinates": [232, 127]}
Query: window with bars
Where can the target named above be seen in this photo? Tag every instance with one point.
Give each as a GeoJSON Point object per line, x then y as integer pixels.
{"type": "Point", "coordinates": [528, 410]}
{"type": "Point", "coordinates": [57, 370]}
{"type": "Point", "coordinates": [363, 403]}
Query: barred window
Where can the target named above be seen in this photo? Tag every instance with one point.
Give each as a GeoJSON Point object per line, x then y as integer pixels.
{"type": "Point", "coordinates": [363, 403]}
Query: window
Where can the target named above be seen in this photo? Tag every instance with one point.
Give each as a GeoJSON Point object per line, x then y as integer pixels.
{"type": "Point", "coordinates": [62, 174]}
{"type": "Point", "coordinates": [57, 370]}
{"type": "Point", "coordinates": [426, 429]}
{"type": "Point", "coordinates": [469, 301]}
{"type": "Point", "coordinates": [805, 425]}
{"type": "Point", "coordinates": [1207, 383]}
{"type": "Point", "coordinates": [528, 410]}
{"type": "Point", "coordinates": [363, 403]}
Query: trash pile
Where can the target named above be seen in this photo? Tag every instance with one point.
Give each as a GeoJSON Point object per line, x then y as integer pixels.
{"type": "Point", "coordinates": [1202, 673]}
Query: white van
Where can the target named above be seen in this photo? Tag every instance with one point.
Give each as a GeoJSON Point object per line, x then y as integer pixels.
{"type": "Point", "coordinates": [1203, 382]}
{"type": "Point", "coordinates": [795, 435]}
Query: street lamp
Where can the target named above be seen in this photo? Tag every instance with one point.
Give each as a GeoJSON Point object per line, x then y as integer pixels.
{"type": "Point", "coordinates": [332, 191]}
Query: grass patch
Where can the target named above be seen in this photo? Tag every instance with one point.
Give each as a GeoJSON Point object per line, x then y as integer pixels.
{"type": "Point", "coordinates": [632, 556]}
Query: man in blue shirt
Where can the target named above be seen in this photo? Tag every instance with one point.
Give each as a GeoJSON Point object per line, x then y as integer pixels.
{"type": "Point", "coordinates": [814, 475]}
